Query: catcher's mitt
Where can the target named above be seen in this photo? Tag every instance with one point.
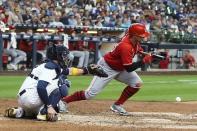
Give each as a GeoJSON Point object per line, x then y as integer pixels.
{"type": "Point", "coordinates": [96, 70]}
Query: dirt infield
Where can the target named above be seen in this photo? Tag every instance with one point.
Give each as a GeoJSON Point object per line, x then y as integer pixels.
{"type": "Point", "coordinates": [95, 115]}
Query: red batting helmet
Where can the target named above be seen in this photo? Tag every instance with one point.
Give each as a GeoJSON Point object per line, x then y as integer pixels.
{"type": "Point", "coordinates": [138, 30]}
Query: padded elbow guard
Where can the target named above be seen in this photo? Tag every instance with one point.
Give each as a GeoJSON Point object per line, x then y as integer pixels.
{"type": "Point", "coordinates": [74, 71]}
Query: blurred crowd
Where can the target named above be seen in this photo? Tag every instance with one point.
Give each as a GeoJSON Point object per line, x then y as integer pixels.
{"type": "Point", "coordinates": [175, 15]}
{"type": "Point", "coordinates": [169, 20]}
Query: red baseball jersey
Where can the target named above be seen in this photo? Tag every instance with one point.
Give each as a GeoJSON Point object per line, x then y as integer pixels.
{"type": "Point", "coordinates": [122, 54]}
{"type": "Point", "coordinates": [41, 44]}
{"type": "Point", "coordinates": [25, 46]}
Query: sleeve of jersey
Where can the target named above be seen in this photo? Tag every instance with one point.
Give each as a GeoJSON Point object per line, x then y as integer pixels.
{"type": "Point", "coordinates": [126, 55]}
{"type": "Point", "coordinates": [42, 92]}
{"type": "Point", "coordinates": [133, 66]}
{"type": "Point", "coordinates": [47, 75]}
{"type": "Point", "coordinates": [74, 71]}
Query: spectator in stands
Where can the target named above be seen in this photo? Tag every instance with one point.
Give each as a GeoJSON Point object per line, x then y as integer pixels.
{"type": "Point", "coordinates": [157, 27]}
{"type": "Point", "coordinates": [71, 20]}
{"type": "Point", "coordinates": [11, 16]}
{"type": "Point", "coordinates": [2, 24]}
{"type": "Point", "coordinates": [26, 16]}
{"type": "Point", "coordinates": [179, 15]}
{"type": "Point", "coordinates": [86, 22]}
{"type": "Point", "coordinates": [108, 10]}
{"type": "Point", "coordinates": [188, 61]}
{"type": "Point", "coordinates": [126, 23]}
{"type": "Point", "coordinates": [88, 11]}
{"type": "Point", "coordinates": [55, 21]}
{"type": "Point", "coordinates": [64, 18]}
{"type": "Point", "coordinates": [78, 19]}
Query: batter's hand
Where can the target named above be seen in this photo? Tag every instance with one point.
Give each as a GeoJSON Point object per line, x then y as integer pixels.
{"type": "Point", "coordinates": [147, 59]}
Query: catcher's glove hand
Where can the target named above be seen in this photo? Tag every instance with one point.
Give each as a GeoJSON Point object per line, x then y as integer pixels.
{"type": "Point", "coordinates": [51, 114]}
{"type": "Point", "coordinates": [52, 117]}
{"type": "Point", "coordinates": [95, 70]}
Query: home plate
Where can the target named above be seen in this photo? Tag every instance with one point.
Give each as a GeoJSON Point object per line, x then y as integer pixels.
{"type": "Point", "coordinates": [154, 120]}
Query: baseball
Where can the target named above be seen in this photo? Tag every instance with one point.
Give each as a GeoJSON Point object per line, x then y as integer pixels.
{"type": "Point", "coordinates": [178, 99]}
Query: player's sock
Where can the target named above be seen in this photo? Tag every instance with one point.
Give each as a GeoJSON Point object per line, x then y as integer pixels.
{"type": "Point", "coordinates": [77, 96]}
{"type": "Point", "coordinates": [126, 94]}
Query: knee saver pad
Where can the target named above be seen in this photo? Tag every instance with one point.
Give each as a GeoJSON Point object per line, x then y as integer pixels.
{"type": "Point", "coordinates": [89, 95]}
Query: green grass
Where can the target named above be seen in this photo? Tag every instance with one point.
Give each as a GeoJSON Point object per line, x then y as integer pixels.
{"type": "Point", "coordinates": [9, 85]}
{"type": "Point", "coordinates": [155, 88]}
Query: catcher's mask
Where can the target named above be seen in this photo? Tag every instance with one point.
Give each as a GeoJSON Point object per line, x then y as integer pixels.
{"type": "Point", "coordinates": [59, 53]}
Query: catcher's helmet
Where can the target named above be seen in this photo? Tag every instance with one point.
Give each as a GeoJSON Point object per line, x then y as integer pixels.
{"type": "Point", "coordinates": [138, 30]}
{"type": "Point", "coordinates": [59, 53]}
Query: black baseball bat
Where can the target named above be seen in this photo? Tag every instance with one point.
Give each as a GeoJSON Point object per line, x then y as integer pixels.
{"type": "Point", "coordinates": [160, 57]}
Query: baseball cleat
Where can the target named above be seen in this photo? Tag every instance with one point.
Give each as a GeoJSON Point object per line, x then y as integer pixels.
{"type": "Point", "coordinates": [11, 112]}
{"type": "Point", "coordinates": [119, 109]}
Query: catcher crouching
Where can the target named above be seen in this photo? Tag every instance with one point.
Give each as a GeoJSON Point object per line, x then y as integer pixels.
{"type": "Point", "coordinates": [41, 92]}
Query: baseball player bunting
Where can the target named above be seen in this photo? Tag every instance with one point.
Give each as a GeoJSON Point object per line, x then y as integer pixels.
{"type": "Point", "coordinates": [119, 65]}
